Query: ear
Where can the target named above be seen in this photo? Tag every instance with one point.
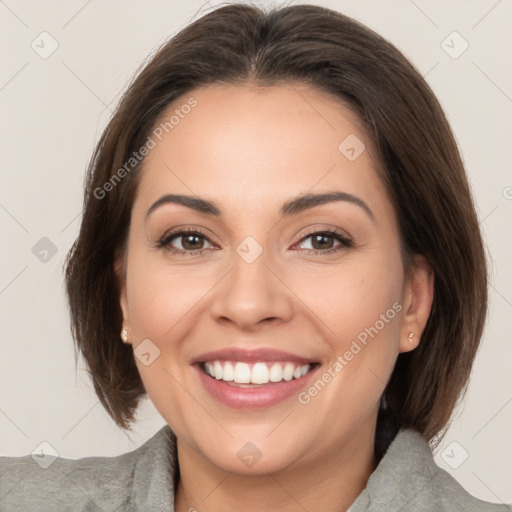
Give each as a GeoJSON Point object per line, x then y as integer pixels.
{"type": "Point", "coordinates": [119, 269]}
{"type": "Point", "coordinates": [418, 297]}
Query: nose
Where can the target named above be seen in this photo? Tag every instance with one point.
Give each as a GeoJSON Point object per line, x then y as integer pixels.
{"type": "Point", "coordinates": [252, 295]}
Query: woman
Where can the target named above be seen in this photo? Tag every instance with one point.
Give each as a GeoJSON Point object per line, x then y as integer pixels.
{"type": "Point", "coordinates": [279, 228]}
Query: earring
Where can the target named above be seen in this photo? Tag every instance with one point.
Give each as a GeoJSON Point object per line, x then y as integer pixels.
{"type": "Point", "coordinates": [124, 335]}
{"type": "Point", "coordinates": [411, 336]}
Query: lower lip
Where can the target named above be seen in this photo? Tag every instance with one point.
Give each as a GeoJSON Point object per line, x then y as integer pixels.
{"type": "Point", "coordinates": [252, 397]}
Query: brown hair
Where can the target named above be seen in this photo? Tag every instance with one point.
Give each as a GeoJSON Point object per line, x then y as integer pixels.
{"type": "Point", "coordinates": [417, 156]}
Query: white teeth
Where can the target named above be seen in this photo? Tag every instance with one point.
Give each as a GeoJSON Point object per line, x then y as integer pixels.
{"type": "Point", "coordinates": [260, 373]}
{"type": "Point", "coordinates": [217, 368]}
{"type": "Point", "coordinates": [288, 371]}
{"type": "Point", "coordinates": [242, 373]}
{"type": "Point", "coordinates": [228, 372]}
{"type": "Point", "coordinates": [276, 373]}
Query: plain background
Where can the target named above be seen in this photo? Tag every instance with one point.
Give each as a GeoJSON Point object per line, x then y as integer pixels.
{"type": "Point", "coordinates": [54, 110]}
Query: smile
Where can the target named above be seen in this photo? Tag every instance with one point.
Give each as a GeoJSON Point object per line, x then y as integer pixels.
{"type": "Point", "coordinates": [253, 379]}
{"type": "Point", "coordinates": [238, 372]}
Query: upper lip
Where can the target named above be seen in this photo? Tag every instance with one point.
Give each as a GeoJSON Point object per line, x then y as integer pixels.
{"type": "Point", "coordinates": [250, 356]}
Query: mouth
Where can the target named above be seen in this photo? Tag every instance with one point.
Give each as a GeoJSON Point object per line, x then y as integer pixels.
{"type": "Point", "coordinates": [261, 373]}
{"type": "Point", "coordinates": [243, 379]}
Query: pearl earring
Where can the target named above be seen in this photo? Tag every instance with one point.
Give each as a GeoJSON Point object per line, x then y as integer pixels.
{"type": "Point", "coordinates": [124, 335]}
{"type": "Point", "coordinates": [411, 335]}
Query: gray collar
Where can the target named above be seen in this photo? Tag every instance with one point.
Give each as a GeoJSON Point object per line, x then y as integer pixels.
{"type": "Point", "coordinates": [156, 472]}
{"type": "Point", "coordinates": [406, 479]}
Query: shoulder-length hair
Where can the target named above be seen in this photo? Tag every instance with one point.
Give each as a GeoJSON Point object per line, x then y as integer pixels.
{"type": "Point", "coordinates": [416, 154]}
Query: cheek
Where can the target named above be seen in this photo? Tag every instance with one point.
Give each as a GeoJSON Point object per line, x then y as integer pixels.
{"type": "Point", "coordinates": [358, 307]}
{"type": "Point", "coordinates": [160, 299]}
{"type": "Point", "coordinates": [158, 303]}
{"type": "Point", "coordinates": [356, 299]}
{"type": "Point", "coordinates": [163, 306]}
{"type": "Point", "coordinates": [360, 310]}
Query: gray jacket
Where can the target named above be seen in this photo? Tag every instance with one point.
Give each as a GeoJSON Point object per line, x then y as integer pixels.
{"type": "Point", "coordinates": [406, 479]}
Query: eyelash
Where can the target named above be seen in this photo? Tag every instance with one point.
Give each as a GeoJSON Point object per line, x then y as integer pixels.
{"type": "Point", "coordinates": [165, 241]}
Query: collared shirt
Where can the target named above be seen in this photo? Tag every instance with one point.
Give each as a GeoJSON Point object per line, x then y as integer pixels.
{"type": "Point", "coordinates": [144, 480]}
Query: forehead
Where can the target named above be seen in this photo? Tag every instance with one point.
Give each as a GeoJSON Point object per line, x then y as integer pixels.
{"type": "Point", "coordinates": [250, 146]}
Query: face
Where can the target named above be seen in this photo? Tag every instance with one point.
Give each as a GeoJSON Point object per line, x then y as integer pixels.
{"type": "Point", "coordinates": [266, 327]}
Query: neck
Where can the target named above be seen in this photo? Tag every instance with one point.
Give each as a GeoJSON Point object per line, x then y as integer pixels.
{"type": "Point", "coordinates": [330, 482]}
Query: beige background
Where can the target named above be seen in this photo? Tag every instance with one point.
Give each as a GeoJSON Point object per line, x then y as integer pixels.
{"type": "Point", "coordinates": [53, 111]}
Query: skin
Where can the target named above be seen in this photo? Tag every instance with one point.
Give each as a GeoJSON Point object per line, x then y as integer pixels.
{"type": "Point", "coordinates": [250, 150]}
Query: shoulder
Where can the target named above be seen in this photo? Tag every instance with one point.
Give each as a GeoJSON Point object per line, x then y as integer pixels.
{"type": "Point", "coordinates": [108, 483]}
{"type": "Point", "coordinates": [407, 478]}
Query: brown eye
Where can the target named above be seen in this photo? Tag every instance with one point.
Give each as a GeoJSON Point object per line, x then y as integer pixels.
{"type": "Point", "coordinates": [192, 242]}
{"type": "Point", "coordinates": [182, 242]}
{"type": "Point", "coordinates": [325, 241]}
{"type": "Point", "coordinates": [322, 241]}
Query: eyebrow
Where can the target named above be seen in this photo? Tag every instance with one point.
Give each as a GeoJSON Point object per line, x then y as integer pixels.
{"type": "Point", "coordinates": [291, 207]}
